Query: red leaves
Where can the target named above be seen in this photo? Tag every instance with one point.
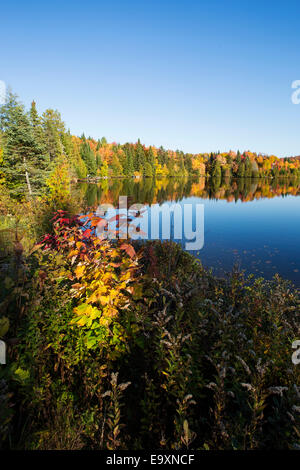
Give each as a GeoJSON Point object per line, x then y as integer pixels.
{"type": "Point", "coordinates": [87, 233]}
{"type": "Point", "coordinates": [129, 250]}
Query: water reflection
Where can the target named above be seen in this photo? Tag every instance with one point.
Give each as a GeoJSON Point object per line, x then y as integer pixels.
{"type": "Point", "coordinates": [254, 223]}
{"type": "Point", "coordinates": [150, 191]}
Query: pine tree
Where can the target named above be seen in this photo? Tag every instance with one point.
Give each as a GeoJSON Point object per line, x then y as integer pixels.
{"type": "Point", "coordinates": [241, 170]}
{"type": "Point", "coordinates": [151, 160]}
{"type": "Point", "coordinates": [140, 158]}
{"type": "Point", "coordinates": [53, 128]}
{"type": "Point", "coordinates": [36, 124]}
{"type": "Point", "coordinates": [248, 168]}
{"type": "Point", "coordinates": [89, 158]}
{"type": "Point", "coordinates": [128, 164]}
{"type": "Point", "coordinates": [147, 170]}
{"type": "Point", "coordinates": [216, 170]}
{"type": "Point", "coordinates": [25, 164]}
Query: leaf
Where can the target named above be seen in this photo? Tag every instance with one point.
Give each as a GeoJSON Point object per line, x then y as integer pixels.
{"type": "Point", "coordinates": [35, 248]}
{"type": "Point", "coordinates": [103, 300]}
{"type": "Point", "coordinates": [87, 233]}
{"type": "Point", "coordinates": [115, 265]}
{"type": "Point", "coordinates": [4, 326]}
{"type": "Point", "coordinates": [21, 375]}
{"type": "Point", "coordinates": [97, 221]}
{"type": "Point", "coordinates": [91, 342]}
{"type": "Point", "coordinates": [79, 271]}
{"type": "Point", "coordinates": [129, 249]}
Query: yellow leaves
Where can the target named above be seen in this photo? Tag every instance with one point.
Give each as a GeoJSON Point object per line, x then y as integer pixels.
{"type": "Point", "coordinates": [105, 321]}
{"type": "Point", "coordinates": [79, 271]}
{"type": "Point", "coordinates": [111, 312]}
{"type": "Point", "coordinates": [72, 253]}
{"type": "Point", "coordinates": [126, 276]}
{"type": "Point", "coordinates": [104, 300]}
{"type": "Point", "coordinates": [87, 313]}
{"type": "Point", "coordinates": [97, 295]}
{"type": "Point", "coordinates": [101, 274]}
{"type": "Point", "coordinates": [107, 276]}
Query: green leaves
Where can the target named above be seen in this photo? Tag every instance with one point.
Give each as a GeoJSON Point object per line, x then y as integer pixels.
{"type": "Point", "coordinates": [4, 326]}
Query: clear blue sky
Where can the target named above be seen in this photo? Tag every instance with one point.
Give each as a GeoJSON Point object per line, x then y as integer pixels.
{"type": "Point", "coordinates": [194, 75]}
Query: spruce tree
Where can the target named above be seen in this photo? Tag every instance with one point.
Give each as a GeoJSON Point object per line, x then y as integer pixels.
{"type": "Point", "coordinates": [54, 128]}
{"type": "Point", "coordinates": [25, 163]}
{"type": "Point", "coordinates": [151, 159]}
{"type": "Point", "coordinates": [128, 164]}
{"type": "Point", "coordinates": [140, 157]}
{"type": "Point", "coordinates": [147, 170]}
{"type": "Point", "coordinates": [89, 158]}
{"type": "Point", "coordinates": [37, 127]}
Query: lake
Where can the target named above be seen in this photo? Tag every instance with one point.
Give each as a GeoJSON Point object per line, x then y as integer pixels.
{"type": "Point", "coordinates": [251, 224]}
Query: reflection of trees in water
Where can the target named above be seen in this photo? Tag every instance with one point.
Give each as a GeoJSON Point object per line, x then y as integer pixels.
{"type": "Point", "coordinates": [151, 190]}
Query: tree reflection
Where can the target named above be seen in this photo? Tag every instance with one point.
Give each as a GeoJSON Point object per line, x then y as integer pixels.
{"type": "Point", "coordinates": [151, 191]}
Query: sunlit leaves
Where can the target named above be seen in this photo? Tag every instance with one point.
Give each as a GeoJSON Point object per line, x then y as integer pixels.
{"type": "Point", "coordinates": [104, 282]}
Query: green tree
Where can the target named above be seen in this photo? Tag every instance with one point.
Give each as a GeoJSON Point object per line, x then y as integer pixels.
{"type": "Point", "coordinates": [151, 160]}
{"type": "Point", "coordinates": [241, 170]}
{"type": "Point", "coordinates": [148, 170]}
{"type": "Point", "coordinates": [36, 123]}
{"type": "Point", "coordinates": [24, 163]}
{"type": "Point", "coordinates": [89, 158]}
{"type": "Point", "coordinates": [54, 128]}
{"type": "Point", "coordinates": [104, 170]}
{"type": "Point", "coordinates": [129, 157]}
{"type": "Point", "coordinates": [216, 170]}
{"type": "Point", "coordinates": [248, 167]}
{"type": "Point", "coordinates": [116, 166]}
{"type": "Point", "coordinates": [140, 159]}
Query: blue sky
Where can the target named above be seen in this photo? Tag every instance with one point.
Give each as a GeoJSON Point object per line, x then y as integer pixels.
{"type": "Point", "coordinates": [194, 75]}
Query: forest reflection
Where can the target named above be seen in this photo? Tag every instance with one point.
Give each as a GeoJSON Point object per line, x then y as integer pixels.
{"type": "Point", "coordinates": [151, 191]}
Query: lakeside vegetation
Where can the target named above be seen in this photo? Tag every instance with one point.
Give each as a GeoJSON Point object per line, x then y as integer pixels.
{"type": "Point", "coordinates": [115, 345]}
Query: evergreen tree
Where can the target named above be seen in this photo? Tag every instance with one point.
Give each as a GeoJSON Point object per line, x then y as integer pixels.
{"type": "Point", "coordinates": [248, 168]}
{"type": "Point", "coordinates": [36, 124]}
{"type": "Point", "coordinates": [89, 158]}
{"type": "Point", "coordinates": [128, 164]}
{"type": "Point", "coordinates": [140, 159]}
{"type": "Point", "coordinates": [241, 170]}
{"type": "Point", "coordinates": [53, 129]}
{"type": "Point", "coordinates": [25, 164]}
{"type": "Point", "coordinates": [181, 165]}
{"type": "Point", "coordinates": [151, 157]}
{"type": "Point", "coordinates": [216, 170]}
{"type": "Point", "coordinates": [98, 160]}
{"type": "Point", "coordinates": [148, 170]}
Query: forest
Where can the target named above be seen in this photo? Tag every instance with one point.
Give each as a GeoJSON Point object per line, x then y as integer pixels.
{"type": "Point", "coordinates": [36, 150]}
{"type": "Point", "coordinates": [114, 345]}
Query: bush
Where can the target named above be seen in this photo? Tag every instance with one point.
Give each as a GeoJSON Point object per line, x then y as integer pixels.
{"type": "Point", "coordinates": [118, 350]}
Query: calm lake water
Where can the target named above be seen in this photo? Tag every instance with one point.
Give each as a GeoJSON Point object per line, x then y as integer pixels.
{"type": "Point", "coordinates": [254, 224]}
